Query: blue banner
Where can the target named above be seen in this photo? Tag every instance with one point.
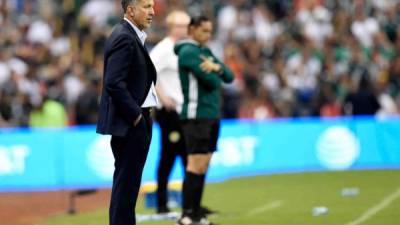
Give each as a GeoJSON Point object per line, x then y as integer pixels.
{"type": "Point", "coordinates": [46, 159]}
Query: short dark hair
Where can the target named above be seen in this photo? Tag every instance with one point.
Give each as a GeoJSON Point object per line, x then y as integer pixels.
{"type": "Point", "coordinates": [125, 3]}
{"type": "Point", "coordinates": [196, 21]}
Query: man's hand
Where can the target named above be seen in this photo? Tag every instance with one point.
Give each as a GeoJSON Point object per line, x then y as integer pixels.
{"type": "Point", "coordinates": [137, 120]}
{"type": "Point", "coordinates": [168, 103]}
{"type": "Point", "coordinates": [208, 65]}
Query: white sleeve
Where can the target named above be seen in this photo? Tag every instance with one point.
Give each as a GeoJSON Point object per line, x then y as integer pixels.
{"type": "Point", "coordinates": [158, 56]}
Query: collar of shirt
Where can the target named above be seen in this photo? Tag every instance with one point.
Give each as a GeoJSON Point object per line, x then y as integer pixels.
{"type": "Point", "coordinates": [141, 34]}
{"type": "Point", "coordinates": [189, 40]}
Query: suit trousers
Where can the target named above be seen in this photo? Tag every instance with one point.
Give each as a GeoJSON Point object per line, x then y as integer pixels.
{"type": "Point", "coordinates": [172, 146]}
{"type": "Point", "coordinates": [130, 153]}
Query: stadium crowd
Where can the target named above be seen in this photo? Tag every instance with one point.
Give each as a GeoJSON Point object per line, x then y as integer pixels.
{"type": "Point", "coordinates": [290, 58]}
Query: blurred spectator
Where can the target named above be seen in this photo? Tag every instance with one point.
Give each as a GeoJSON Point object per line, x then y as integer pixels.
{"type": "Point", "coordinates": [49, 114]}
{"type": "Point", "coordinates": [87, 103]}
{"type": "Point", "coordinates": [302, 73]}
{"type": "Point", "coordinates": [328, 105]}
{"type": "Point", "coordinates": [257, 106]}
{"type": "Point", "coordinates": [289, 57]}
{"type": "Point", "coordinates": [364, 28]}
{"type": "Point", "coordinates": [363, 100]}
{"type": "Point", "coordinates": [315, 22]}
{"type": "Point", "coordinates": [98, 12]}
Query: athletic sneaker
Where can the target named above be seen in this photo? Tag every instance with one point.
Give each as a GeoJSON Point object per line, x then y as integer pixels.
{"type": "Point", "coordinates": [186, 220]}
{"type": "Point", "coordinates": [204, 221]}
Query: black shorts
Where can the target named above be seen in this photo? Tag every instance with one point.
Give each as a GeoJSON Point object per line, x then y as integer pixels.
{"type": "Point", "coordinates": [201, 135]}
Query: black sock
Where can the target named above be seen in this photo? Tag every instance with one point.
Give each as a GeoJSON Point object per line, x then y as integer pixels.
{"type": "Point", "coordinates": [193, 186]}
{"type": "Point", "coordinates": [198, 194]}
{"type": "Point", "coordinates": [187, 193]}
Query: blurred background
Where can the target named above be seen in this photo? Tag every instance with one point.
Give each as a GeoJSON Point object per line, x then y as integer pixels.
{"type": "Point", "coordinates": [292, 58]}
{"type": "Point", "coordinates": [317, 88]}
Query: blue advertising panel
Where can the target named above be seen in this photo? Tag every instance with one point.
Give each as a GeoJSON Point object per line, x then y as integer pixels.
{"type": "Point", "coordinates": [77, 157]}
{"type": "Point", "coordinates": [26, 160]}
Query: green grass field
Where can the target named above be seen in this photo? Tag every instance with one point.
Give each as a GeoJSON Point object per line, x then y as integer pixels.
{"type": "Point", "coordinates": [288, 200]}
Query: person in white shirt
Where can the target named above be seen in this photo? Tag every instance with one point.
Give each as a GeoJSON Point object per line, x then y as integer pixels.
{"type": "Point", "coordinates": [171, 98]}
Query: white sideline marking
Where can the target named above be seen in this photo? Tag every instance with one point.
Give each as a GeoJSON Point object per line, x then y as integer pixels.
{"type": "Point", "coordinates": [266, 207]}
{"type": "Point", "coordinates": [375, 209]}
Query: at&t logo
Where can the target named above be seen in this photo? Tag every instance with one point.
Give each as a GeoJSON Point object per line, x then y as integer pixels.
{"type": "Point", "coordinates": [13, 159]}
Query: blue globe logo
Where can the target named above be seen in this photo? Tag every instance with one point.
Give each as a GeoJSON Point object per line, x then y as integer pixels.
{"type": "Point", "coordinates": [337, 148]}
{"type": "Point", "coordinates": [100, 158]}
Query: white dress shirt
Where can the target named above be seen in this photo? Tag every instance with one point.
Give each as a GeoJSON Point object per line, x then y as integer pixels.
{"type": "Point", "coordinates": [151, 98]}
{"type": "Point", "coordinates": [166, 63]}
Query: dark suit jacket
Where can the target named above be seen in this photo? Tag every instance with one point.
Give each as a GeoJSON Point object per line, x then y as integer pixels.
{"type": "Point", "coordinates": [128, 74]}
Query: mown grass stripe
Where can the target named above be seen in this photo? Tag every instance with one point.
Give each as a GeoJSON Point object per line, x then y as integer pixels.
{"type": "Point", "coordinates": [264, 208]}
{"type": "Point", "coordinates": [376, 208]}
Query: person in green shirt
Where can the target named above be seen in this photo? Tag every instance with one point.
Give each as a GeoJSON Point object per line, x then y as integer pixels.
{"type": "Point", "coordinates": [50, 114]}
{"type": "Point", "coordinates": [201, 75]}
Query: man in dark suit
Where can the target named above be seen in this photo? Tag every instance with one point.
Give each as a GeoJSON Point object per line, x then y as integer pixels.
{"type": "Point", "coordinates": [127, 98]}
